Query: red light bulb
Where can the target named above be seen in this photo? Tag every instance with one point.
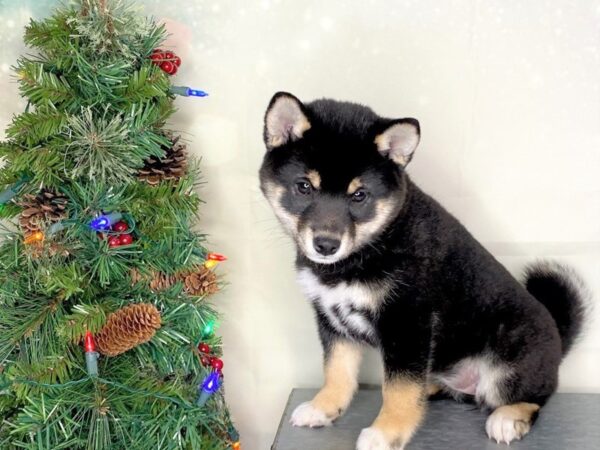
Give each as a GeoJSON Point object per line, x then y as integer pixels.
{"type": "Point", "coordinates": [89, 345]}
{"type": "Point", "coordinates": [216, 257]}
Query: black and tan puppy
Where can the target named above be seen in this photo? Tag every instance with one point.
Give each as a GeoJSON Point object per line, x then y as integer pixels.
{"type": "Point", "coordinates": [385, 265]}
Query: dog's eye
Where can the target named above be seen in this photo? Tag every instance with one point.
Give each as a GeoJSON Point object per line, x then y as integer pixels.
{"type": "Point", "coordinates": [359, 196]}
{"type": "Point", "coordinates": [304, 187]}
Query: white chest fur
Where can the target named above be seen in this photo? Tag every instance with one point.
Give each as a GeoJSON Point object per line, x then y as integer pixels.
{"type": "Point", "coordinates": [349, 307]}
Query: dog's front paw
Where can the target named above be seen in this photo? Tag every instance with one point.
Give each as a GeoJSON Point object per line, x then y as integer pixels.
{"type": "Point", "coordinates": [503, 428]}
{"type": "Point", "coordinates": [307, 415]}
{"type": "Point", "coordinates": [373, 439]}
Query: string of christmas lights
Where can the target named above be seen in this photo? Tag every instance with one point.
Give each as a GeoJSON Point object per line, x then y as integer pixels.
{"type": "Point", "coordinates": [210, 384]}
{"type": "Point", "coordinates": [10, 192]}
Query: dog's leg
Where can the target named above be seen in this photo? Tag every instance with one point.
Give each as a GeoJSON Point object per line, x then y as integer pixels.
{"type": "Point", "coordinates": [341, 370]}
{"type": "Point", "coordinates": [405, 336]}
{"type": "Point", "coordinates": [433, 389]}
{"type": "Point", "coordinates": [401, 413]}
{"type": "Point", "coordinates": [510, 422]}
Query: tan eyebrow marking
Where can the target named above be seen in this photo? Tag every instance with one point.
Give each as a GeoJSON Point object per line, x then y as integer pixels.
{"type": "Point", "coordinates": [354, 186]}
{"type": "Point", "coordinates": [314, 178]}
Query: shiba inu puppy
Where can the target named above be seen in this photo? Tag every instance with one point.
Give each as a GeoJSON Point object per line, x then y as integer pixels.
{"type": "Point", "coordinates": [385, 265]}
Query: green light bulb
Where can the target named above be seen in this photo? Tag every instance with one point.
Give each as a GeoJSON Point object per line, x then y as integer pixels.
{"type": "Point", "coordinates": [208, 329]}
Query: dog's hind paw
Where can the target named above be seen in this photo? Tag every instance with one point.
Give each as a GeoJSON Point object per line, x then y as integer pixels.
{"type": "Point", "coordinates": [307, 415]}
{"type": "Point", "coordinates": [373, 439]}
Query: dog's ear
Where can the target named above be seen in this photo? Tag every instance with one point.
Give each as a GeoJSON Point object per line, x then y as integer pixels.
{"type": "Point", "coordinates": [285, 120]}
{"type": "Point", "coordinates": [398, 140]}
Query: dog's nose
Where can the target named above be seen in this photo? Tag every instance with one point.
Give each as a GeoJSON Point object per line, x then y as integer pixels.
{"type": "Point", "coordinates": [325, 245]}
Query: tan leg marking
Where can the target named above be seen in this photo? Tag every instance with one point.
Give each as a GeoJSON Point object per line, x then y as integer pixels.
{"type": "Point", "coordinates": [433, 389]}
{"type": "Point", "coordinates": [510, 422]}
{"type": "Point", "coordinates": [402, 410]}
{"type": "Point", "coordinates": [341, 372]}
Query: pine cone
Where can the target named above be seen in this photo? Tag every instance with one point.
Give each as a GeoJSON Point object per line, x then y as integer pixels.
{"type": "Point", "coordinates": [136, 276]}
{"type": "Point", "coordinates": [47, 206]}
{"type": "Point", "coordinates": [127, 328]}
{"type": "Point", "coordinates": [171, 166]}
{"type": "Point", "coordinates": [200, 282]}
{"type": "Point", "coordinates": [161, 281]}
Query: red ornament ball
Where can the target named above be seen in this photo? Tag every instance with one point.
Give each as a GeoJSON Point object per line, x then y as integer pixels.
{"type": "Point", "coordinates": [114, 241]}
{"type": "Point", "coordinates": [203, 347]}
{"type": "Point", "coordinates": [205, 360]}
{"type": "Point", "coordinates": [125, 239]}
{"type": "Point", "coordinates": [120, 226]}
{"type": "Point", "coordinates": [157, 57]}
{"type": "Point", "coordinates": [167, 66]}
{"type": "Point", "coordinates": [216, 364]}
{"type": "Point", "coordinates": [169, 55]}
{"type": "Point", "coordinates": [177, 61]}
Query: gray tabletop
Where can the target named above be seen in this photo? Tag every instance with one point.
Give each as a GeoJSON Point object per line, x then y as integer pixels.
{"type": "Point", "coordinates": [568, 421]}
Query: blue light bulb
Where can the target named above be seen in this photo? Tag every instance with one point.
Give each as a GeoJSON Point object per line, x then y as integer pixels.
{"type": "Point", "coordinates": [197, 93]}
{"type": "Point", "coordinates": [187, 91]}
{"type": "Point", "coordinates": [102, 223]}
{"type": "Point", "coordinates": [209, 386]}
{"type": "Point", "coordinates": [211, 383]}
{"type": "Point", "coordinates": [99, 223]}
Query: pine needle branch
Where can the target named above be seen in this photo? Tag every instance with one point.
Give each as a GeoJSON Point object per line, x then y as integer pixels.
{"type": "Point", "coordinates": [83, 318]}
{"type": "Point", "coordinates": [146, 83]}
{"type": "Point", "coordinates": [43, 87]}
{"type": "Point", "coordinates": [34, 128]}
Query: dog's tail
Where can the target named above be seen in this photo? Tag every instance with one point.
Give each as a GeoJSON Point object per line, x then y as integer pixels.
{"type": "Point", "coordinates": [563, 293]}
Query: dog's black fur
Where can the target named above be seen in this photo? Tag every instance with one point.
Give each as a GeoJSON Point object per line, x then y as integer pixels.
{"type": "Point", "coordinates": [443, 273]}
{"type": "Point", "coordinates": [449, 298]}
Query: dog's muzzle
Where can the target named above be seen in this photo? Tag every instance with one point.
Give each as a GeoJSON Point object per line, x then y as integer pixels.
{"type": "Point", "coordinates": [325, 245]}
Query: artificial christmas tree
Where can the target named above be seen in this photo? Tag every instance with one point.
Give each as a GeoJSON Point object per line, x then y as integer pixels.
{"type": "Point", "coordinates": [98, 197]}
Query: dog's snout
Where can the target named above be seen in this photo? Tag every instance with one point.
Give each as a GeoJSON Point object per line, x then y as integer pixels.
{"type": "Point", "coordinates": [326, 245]}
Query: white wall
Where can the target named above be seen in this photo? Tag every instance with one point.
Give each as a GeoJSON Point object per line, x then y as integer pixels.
{"type": "Point", "coordinates": [508, 95]}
